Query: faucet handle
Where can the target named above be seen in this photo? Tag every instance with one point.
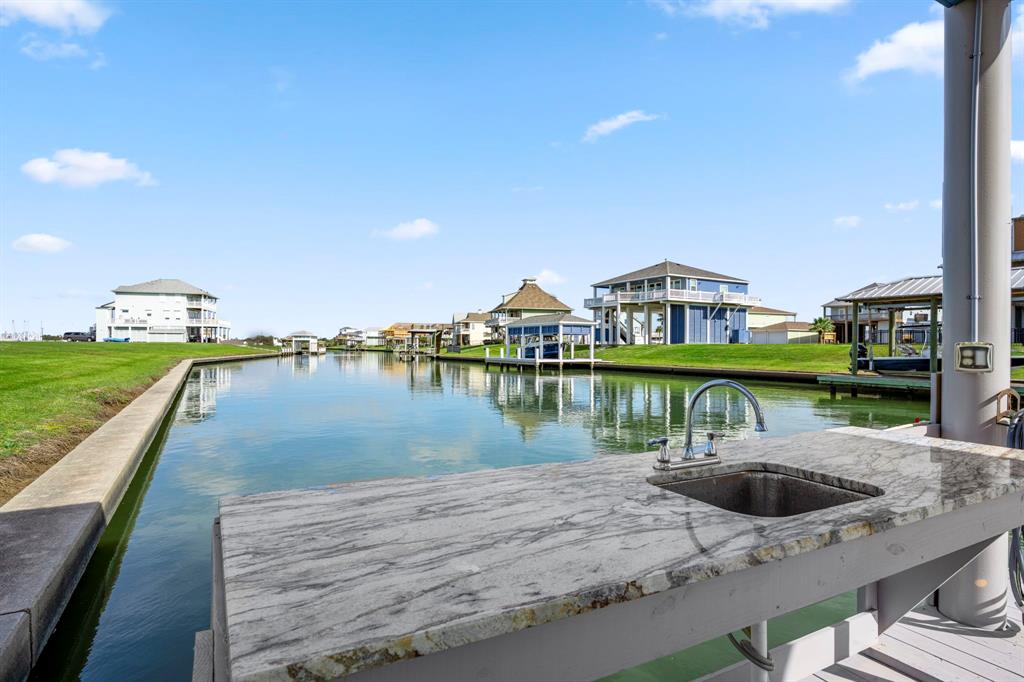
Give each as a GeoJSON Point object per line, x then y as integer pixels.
{"type": "Point", "coordinates": [662, 444]}
{"type": "Point", "coordinates": [709, 448]}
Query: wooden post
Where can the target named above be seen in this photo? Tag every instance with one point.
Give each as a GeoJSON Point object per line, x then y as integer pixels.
{"type": "Point", "coordinates": [892, 332]}
{"type": "Point", "coordinates": [559, 343]}
{"type": "Point", "coordinates": [666, 327]}
{"type": "Point", "coordinates": [933, 337]}
{"type": "Point", "coordinates": [854, 337]}
{"type": "Point", "coordinates": [615, 325]}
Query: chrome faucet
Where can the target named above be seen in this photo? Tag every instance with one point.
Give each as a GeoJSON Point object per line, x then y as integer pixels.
{"type": "Point", "coordinates": [689, 459]}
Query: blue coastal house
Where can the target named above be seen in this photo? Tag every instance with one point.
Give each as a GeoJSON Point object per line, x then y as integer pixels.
{"type": "Point", "coordinates": [671, 303]}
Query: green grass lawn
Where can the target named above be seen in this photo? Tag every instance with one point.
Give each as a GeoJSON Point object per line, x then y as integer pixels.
{"type": "Point", "coordinates": [795, 357]}
{"type": "Point", "coordinates": [58, 392]}
{"type": "Point", "coordinates": [478, 351]}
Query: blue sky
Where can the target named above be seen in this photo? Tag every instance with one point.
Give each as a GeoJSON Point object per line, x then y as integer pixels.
{"type": "Point", "coordinates": [327, 164]}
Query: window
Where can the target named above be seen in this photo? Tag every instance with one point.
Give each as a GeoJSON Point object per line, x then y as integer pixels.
{"type": "Point", "coordinates": [693, 285]}
{"type": "Point", "coordinates": [723, 288]}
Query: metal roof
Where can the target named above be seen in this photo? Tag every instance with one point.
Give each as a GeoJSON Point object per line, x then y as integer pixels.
{"type": "Point", "coordinates": [561, 318]}
{"type": "Point", "coordinates": [914, 289]}
{"type": "Point", "coordinates": [301, 333]}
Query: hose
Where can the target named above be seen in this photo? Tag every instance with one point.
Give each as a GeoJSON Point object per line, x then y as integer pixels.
{"type": "Point", "coordinates": [1015, 439]}
{"type": "Point", "coordinates": [752, 655]}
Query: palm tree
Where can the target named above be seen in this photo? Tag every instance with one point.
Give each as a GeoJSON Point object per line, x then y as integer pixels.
{"type": "Point", "coordinates": [823, 325]}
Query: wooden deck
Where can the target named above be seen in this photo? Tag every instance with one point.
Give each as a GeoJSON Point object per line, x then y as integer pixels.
{"type": "Point", "coordinates": [926, 646]}
{"type": "Point", "coordinates": [874, 382]}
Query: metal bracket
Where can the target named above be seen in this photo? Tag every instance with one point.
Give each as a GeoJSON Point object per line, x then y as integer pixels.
{"type": "Point", "coordinates": [1013, 405]}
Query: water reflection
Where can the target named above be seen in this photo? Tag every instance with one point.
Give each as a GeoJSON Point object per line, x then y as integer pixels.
{"type": "Point", "coordinates": [199, 396]}
{"type": "Point", "coordinates": [304, 364]}
{"type": "Point", "coordinates": [621, 411]}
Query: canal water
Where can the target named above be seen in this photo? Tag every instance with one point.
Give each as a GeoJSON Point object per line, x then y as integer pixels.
{"type": "Point", "coordinates": [305, 421]}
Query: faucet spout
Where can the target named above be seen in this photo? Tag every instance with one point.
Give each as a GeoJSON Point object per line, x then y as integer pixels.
{"type": "Point", "coordinates": [760, 427]}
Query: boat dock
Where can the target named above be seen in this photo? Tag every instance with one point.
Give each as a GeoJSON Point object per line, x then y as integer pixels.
{"type": "Point", "coordinates": [910, 385]}
{"type": "Point", "coordinates": [542, 362]}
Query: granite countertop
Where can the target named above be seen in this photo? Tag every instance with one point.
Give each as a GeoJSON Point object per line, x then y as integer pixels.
{"type": "Point", "coordinates": [335, 580]}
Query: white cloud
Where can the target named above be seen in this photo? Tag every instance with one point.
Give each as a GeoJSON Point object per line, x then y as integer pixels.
{"type": "Point", "coordinates": [80, 168]}
{"type": "Point", "coordinates": [69, 16]}
{"type": "Point", "coordinates": [1017, 150]}
{"type": "Point", "coordinates": [846, 222]}
{"type": "Point", "coordinates": [902, 205]}
{"type": "Point", "coordinates": [414, 229]}
{"type": "Point", "coordinates": [44, 50]}
{"type": "Point", "coordinates": [747, 13]}
{"type": "Point", "coordinates": [549, 277]}
{"type": "Point", "coordinates": [40, 243]}
{"type": "Point", "coordinates": [917, 47]}
{"type": "Point", "coordinates": [935, 203]}
{"type": "Point", "coordinates": [610, 125]}
{"type": "Point", "coordinates": [661, 36]}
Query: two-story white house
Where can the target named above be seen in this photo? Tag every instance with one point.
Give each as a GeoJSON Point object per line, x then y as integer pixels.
{"type": "Point", "coordinates": [163, 310]}
{"type": "Point", "coordinates": [470, 329]}
{"type": "Point", "coordinates": [671, 303]}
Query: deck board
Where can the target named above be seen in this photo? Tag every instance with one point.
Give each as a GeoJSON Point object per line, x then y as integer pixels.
{"type": "Point", "coordinates": [1005, 650]}
{"type": "Point", "coordinates": [926, 646]}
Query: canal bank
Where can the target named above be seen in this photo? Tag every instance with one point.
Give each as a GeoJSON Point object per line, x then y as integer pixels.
{"type": "Point", "coordinates": [50, 529]}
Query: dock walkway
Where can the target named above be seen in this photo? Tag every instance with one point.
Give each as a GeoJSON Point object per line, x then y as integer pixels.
{"type": "Point", "coordinates": [925, 645]}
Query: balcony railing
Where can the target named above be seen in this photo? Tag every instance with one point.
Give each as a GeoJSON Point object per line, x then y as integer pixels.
{"type": "Point", "coordinates": [200, 303]}
{"type": "Point", "coordinates": [671, 295]}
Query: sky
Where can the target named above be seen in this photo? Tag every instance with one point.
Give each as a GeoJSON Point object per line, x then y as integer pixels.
{"type": "Point", "coordinates": [325, 164]}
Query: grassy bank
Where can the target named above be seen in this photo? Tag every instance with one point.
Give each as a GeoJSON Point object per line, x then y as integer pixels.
{"type": "Point", "coordinates": [52, 395]}
{"type": "Point", "coordinates": [795, 358]}
{"type": "Point", "coordinates": [798, 358]}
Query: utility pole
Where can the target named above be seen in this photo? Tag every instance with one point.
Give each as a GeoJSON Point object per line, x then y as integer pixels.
{"type": "Point", "coordinates": [976, 264]}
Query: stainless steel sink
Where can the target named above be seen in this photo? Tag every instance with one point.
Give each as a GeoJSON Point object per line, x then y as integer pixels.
{"type": "Point", "coordinates": [760, 492]}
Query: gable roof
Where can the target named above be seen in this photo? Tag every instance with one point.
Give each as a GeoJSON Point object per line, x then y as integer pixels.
{"type": "Point", "coordinates": [667, 268]}
{"type": "Point", "coordinates": [475, 317]}
{"type": "Point", "coordinates": [784, 327]}
{"type": "Point", "coordinates": [162, 286]}
{"type": "Point", "coordinates": [761, 310]}
{"type": "Point", "coordinates": [531, 297]}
